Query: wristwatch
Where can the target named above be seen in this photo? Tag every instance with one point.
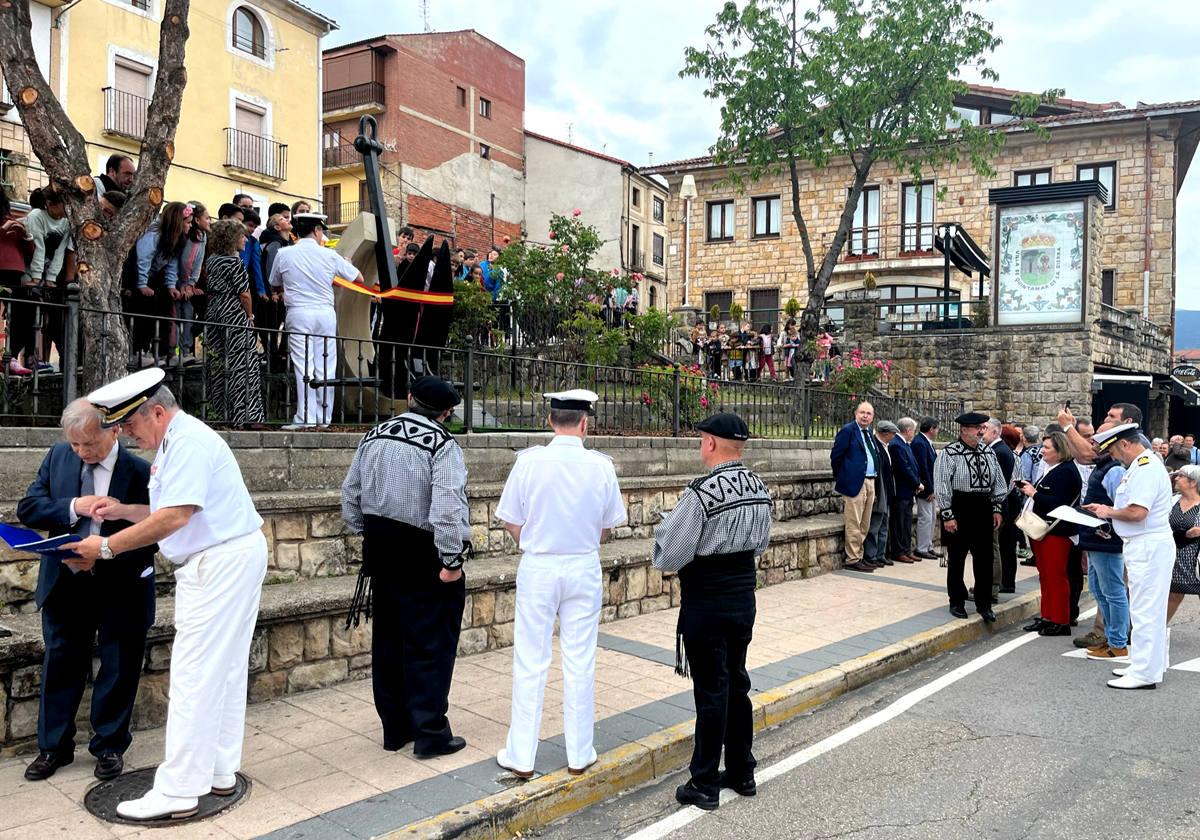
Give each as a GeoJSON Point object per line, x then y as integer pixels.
{"type": "Point", "coordinates": [106, 553]}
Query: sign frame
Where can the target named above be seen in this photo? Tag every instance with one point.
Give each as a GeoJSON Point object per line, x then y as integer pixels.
{"type": "Point", "coordinates": [997, 257]}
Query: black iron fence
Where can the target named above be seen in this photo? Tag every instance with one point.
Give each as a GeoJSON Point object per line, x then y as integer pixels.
{"type": "Point", "coordinates": [253, 153]}
{"type": "Point", "coordinates": [253, 377]}
{"type": "Point", "coordinates": [125, 113]}
{"type": "Point", "coordinates": [344, 213]}
{"type": "Point", "coordinates": [341, 155]}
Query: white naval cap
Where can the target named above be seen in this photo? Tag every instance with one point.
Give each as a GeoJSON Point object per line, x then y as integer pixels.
{"type": "Point", "coordinates": [117, 400]}
{"type": "Point", "coordinates": [577, 399]}
{"type": "Point", "coordinates": [1126, 431]}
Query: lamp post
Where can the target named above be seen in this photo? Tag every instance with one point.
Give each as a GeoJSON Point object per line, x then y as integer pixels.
{"type": "Point", "coordinates": [687, 191]}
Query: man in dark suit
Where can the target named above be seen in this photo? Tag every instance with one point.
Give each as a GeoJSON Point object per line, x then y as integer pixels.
{"type": "Point", "coordinates": [855, 461]}
{"type": "Point", "coordinates": [877, 547]}
{"type": "Point", "coordinates": [908, 484]}
{"type": "Point", "coordinates": [115, 599]}
{"type": "Point", "coordinates": [923, 452]}
{"type": "Point", "coordinates": [1004, 540]}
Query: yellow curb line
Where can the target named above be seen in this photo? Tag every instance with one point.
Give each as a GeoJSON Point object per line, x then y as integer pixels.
{"type": "Point", "coordinates": [555, 795]}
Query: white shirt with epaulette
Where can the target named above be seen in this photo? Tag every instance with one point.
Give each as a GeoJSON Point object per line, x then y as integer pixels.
{"type": "Point", "coordinates": [562, 495]}
{"type": "Point", "coordinates": [1147, 485]}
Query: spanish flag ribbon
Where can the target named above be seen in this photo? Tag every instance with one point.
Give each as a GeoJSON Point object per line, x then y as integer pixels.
{"type": "Point", "coordinates": [410, 295]}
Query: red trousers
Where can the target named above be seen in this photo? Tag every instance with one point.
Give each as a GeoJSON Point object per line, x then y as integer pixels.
{"type": "Point", "coordinates": [1052, 554]}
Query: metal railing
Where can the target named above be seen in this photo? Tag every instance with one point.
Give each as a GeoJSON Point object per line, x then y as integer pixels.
{"type": "Point", "coordinates": [344, 154]}
{"type": "Point", "coordinates": [125, 113]}
{"type": "Point", "coordinates": [344, 213]}
{"type": "Point", "coordinates": [257, 47]}
{"type": "Point", "coordinates": [354, 96]}
{"type": "Point", "coordinates": [353, 381]}
{"type": "Point", "coordinates": [252, 153]}
{"type": "Point", "coordinates": [887, 241]}
{"type": "Point", "coordinates": [1129, 324]}
{"type": "Point", "coordinates": [933, 314]}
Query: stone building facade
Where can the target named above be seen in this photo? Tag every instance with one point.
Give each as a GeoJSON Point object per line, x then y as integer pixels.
{"type": "Point", "coordinates": [1141, 154]}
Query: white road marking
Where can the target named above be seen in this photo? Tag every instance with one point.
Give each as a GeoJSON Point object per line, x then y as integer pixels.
{"type": "Point", "coordinates": [688, 815]}
{"type": "Point", "coordinates": [1192, 665]}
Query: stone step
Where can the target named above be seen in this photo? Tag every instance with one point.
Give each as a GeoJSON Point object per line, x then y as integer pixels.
{"type": "Point", "coordinates": [307, 537]}
{"type": "Point", "coordinates": [301, 641]}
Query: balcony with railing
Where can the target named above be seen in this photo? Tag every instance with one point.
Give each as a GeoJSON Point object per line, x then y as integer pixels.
{"type": "Point", "coordinates": [366, 98]}
{"type": "Point", "coordinates": [637, 259]}
{"type": "Point", "coordinates": [1129, 325]}
{"type": "Point", "coordinates": [255, 155]}
{"type": "Point", "coordinates": [887, 243]}
{"type": "Point", "coordinates": [125, 113]}
{"type": "Point", "coordinates": [344, 213]}
{"type": "Point", "coordinates": [341, 156]}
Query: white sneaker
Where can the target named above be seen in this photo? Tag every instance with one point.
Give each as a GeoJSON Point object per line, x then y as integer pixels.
{"type": "Point", "coordinates": [1128, 682]}
{"type": "Point", "coordinates": [159, 806]}
{"type": "Point", "coordinates": [224, 784]}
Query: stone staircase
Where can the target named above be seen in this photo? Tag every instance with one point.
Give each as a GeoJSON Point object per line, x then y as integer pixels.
{"type": "Point", "coordinates": [302, 642]}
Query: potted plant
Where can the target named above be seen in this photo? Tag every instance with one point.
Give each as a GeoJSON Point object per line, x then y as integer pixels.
{"type": "Point", "coordinates": [714, 316]}
{"type": "Point", "coordinates": [792, 308]}
{"type": "Point", "coordinates": [735, 314]}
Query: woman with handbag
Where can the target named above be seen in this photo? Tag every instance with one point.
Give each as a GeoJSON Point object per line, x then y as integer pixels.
{"type": "Point", "coordinates": [1059, 484]}
{"type": "Point", "coordinates": [1185, 525]}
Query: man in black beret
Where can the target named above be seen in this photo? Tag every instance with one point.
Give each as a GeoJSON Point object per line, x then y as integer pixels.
{"type": "Point", "coordinates": [407, 486]}
{"type": "Point", "coordinates": [970, 490]}
{"type": "Point", "coordinates": [720, 525]}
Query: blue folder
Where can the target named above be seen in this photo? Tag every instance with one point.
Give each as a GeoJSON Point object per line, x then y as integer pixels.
{"type": "Point", "coordinates": [23, 539]}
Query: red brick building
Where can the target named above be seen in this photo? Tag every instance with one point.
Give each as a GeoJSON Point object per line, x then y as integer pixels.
{"type": "Point", "coordinates": [451, 113]}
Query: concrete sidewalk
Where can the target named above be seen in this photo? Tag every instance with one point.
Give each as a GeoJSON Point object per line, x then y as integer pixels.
{"type": "Point", "coordinates": [316, 758]}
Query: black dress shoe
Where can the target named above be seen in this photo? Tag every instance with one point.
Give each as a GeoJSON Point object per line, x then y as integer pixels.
{"type": "Point", "coordinates": [987, 615]}
{"type": "Point", "coordinates": [958, 612]}
{"type": "Point", "coordinates": [1035, 625]}
{"type": "Point", "coordinates": [109, 766]}
{"type": "Point", "coordinates": [396, 744]}
{"type": "Point", "coordinates": [1049, 629]}
{"type": "Point", "coordinates": [883, 561]}
{"type": "Point", "coordinates": [690, 795]}
{"type": "Point", "coordinates": [1008, 590]}
{"type": "Point", "coordinates": [1029, 563]}
{"type": "Point", "coordinates": [741, 785]}
{"type": "Point", "coordinates": [448, 747]}
{"type": "Point", "coordinates": [45, 764]}
{"type": "Point", "coordinates": [926, 555]}
{"type": "Point", "coordinates": [860, 566]}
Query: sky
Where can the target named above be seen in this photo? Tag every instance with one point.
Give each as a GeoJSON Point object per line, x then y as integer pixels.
{"type": "Point", "coordinates": [605, 73]}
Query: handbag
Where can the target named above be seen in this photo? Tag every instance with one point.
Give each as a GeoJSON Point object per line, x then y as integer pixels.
{"type": "Point", "coordinates": [1034, 526]}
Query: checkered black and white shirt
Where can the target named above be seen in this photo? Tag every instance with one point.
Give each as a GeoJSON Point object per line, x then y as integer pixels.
{"type": "Point", "coordinates": [962, 469]}
{"type": "Point", "coordinates": [412, 470]}
{"type": "Point", "coordinates": [726, 511]}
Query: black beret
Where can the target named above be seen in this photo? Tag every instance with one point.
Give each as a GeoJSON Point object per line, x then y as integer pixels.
{"type": "Point", "coordinates": [971, 418]}
{"type": "Point", "coordinates": [725, 425]}
{"type": "Point", "coordinates": [434, 392]}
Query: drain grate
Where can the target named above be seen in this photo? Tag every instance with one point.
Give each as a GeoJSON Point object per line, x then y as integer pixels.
{"type": "Point", "coordinates": [101, 799]}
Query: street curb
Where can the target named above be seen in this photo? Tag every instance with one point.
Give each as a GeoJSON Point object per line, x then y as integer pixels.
{"type": "Point", "coordinates": [555, 795]}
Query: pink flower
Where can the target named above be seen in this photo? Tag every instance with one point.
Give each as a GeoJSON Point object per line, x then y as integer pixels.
{"type": "Point", "coordinates": [704, 402]}
{"type": "Point", "coordinates": [577, 212]}
{"type": "Point", "coordinates": [559, 276]}
{"type": "Point", "coordinates": [566, 249]}
{"type": "Point", "coordinates": [507, 239]}
{"type": "Point", "coordinates": [551, 234]}
{"type": "Point", "coordinates": [616, 272]}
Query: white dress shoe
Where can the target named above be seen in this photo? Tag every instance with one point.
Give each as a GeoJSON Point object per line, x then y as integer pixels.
{"type": "Point", "coordinates": [158, 806]}
{"type": "Point", "coordinates": [1128, 682]}
{"type": "Point", "coordinates": [1120, 672]}
{"type": "Point", "coordinates": [224, 785]}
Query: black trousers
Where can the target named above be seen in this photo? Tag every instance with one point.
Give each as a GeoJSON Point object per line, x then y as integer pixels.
{"type": "Point", "coordinates": [1075, 578]}
{"type": "Point", "coordinates": [973, 514]}
{"type": "Point", "coordinates": [901, 527]}
{"type": "Point", "coordinates": [83, 613]}
{"type": "Point", "coordinates": [415, 636]}
{"type": "Point", "coordinates": [1008, 543]}
{"type": "Point", "coordinates": [716, 652]}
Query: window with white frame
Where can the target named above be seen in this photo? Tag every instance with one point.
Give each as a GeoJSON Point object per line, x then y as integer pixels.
{"type": "Point", "coordinates": [249, 34]}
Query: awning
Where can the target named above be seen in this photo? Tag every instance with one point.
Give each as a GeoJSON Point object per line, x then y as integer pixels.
{"type": "Point", "coordinates": [1143, 378]}
{"type": "Point", "coordinates": [1183, 390]}
{"type": "Point", "coordinates": [965, 253]}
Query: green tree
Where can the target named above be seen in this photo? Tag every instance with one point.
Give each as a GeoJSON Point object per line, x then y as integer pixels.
{"type": "Point", "coordinates": [864, 80]}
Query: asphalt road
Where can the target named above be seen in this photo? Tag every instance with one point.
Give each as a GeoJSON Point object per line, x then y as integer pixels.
{"type": "Point", "coordinates": [1030, 745]}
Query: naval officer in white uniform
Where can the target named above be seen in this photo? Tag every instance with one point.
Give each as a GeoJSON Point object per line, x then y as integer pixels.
{"type": "Point", "coordinates": [1139, 513]}
{"type": "Point", "coordinates": [559, 502]}
{"type": "Point", "coordinates": [205, 524]}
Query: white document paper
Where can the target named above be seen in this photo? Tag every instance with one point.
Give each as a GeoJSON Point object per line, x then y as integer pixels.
{"type": "Point", "coordinates": [1070, 514]}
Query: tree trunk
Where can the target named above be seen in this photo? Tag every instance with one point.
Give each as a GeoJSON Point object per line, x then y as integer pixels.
{"type": "Point", "coordinates": [101, 244]}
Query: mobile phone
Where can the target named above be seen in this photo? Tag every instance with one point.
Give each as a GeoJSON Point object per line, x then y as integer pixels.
{"type": "Point", "coordinates": [1067, 404]}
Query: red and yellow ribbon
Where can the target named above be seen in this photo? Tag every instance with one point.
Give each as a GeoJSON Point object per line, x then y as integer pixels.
{"type": "Point", "coordinates": [410, 295]}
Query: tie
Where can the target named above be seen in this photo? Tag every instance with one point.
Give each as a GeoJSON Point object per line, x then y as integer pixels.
{"type": "Point", "coordinates": [871, 465]}
{"type": "Point", "coordinates": [87, 487]}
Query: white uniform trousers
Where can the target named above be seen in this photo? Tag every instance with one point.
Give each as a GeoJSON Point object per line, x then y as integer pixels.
{"type": "Point", "coordinates": [569, 587]}
{"type": "Point", "coordinates": [216, 606]}
{"type": "Point", "coordinates": [1149, 561]}
{"type": "Point", "coordinates": [314, 353]}
{"type": "Point", "coordinates": [925, 517]}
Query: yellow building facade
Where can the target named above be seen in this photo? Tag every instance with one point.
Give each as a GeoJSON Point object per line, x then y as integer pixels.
{"type": "Point", "coordinates": [250, 121]}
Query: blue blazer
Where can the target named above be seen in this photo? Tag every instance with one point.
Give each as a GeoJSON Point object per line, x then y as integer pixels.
{"type": "Point", "coordinates": [922, 451]}
{"type": "Point", "coordinates": [46, 507]}
{"type": "Point", "coordinates": [904, 468]}
{"type": "Point", "coordinates": [849, 459]}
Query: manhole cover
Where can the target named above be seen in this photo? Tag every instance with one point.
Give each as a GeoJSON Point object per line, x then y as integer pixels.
{"type": "Point", "coordinates": [101, 799]}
